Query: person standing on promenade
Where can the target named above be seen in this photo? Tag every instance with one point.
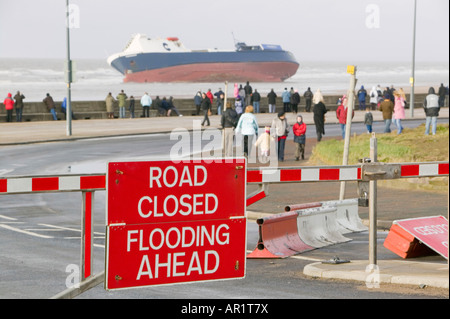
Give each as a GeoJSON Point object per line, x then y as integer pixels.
{"type": "Point", "coordinates": [48, 101]}
{"type": "Point", "coordinates": [362, 93]}
{"type": "Point", "coordinates": [399, 109]}
{"type": "Point", "coordinates": [171, 107]}
{"type": "Point", "coordinates": [146, 102]}
{"type": "Point", "coordinates": [387, 107]}
{"type": "Point", "coordinates": [109, 100]}
{"type": "Point", "coordinates": [295, 101]}
{"type": "Point", "coordinates": [442, 92]}
{"type": "Point", "coordinates": [248, 93]}
{"type": "Point", "coordinates": [228, 122]}
{"type": "Point", "coordinates": [299, 130]}
{"type": "Point", "coordinates": [247, 126]}
{"type": "Point", "coordinates": [18, 104]}
{"type": "Point", "coordinates": [206, 108]}
{"type": "Point", "coordinates": [256, 99]}
{"type": "Point", "coordinates": [122, 98]}
{"type": "Point", "coordinates": [131, 107]}
{"type": "Point", "coordinates": [286, 96]}
{"type": "Point", "coordinates": [373, 98]}
{"type": "Point", "coordinates": [308, 95]}
{"type": "Point", "coordinates": [341, 114]}
{"type": "Point", "coordinates": [280, 128]}
{"type": "Point", "coordinates": [319, 111]}
{"type": "Point", "coordinates": [431, 108]}
{"type": "Point", "coordinates": [9, 107]}
{"type": "Point", "coordinates": [198, 102]}
{"type": "Point", "coordinates": [272, 99]}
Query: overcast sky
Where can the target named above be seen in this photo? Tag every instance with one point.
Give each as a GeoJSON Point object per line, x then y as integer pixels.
{"type": "Point", "coordinates": [314, 30]}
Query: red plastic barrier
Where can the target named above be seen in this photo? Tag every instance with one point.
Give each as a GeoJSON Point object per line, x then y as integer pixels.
{"type": "Point", "coordinates": [278, 237]}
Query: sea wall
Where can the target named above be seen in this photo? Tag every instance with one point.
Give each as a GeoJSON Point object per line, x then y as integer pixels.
{"type": "Point", "coordinates": [37, 111]}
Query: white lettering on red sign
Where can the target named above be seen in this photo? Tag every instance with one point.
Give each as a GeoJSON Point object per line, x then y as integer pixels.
{"type": "Point", "coordinates": [432, 229]}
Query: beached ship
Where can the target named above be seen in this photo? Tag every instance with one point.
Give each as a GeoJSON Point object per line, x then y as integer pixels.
{"type": "Point", "coordinates": [168, 60]}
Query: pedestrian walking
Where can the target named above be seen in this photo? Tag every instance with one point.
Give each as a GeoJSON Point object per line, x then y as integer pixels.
{"type": "Point", "coordinates": [206, 108]}
{"type": "Point", "coordinates": [228, 122]}
{"type": "Point", "coordinates": [9, 107]}
{"type": "Point", "coordinates": [48, 101]}
{"type": "Point", "coordinates": [122, 100]}
{"type": "Point", "coordinates": [248, 127]}
{"type": "Point", "coordinates": [109, 101]}
{"type": "Point", "coordinates": [368, 120]}
{"type": "Point", "coordinates": [387, 107]}
{"type": "Point", "coordinates": [308, 95]}
{"type": "Point", "coordinates": [299, 130]}
{"type": "Point", "coordinates": [18, 105]}
{"type": "Point", "coordinates": [280, 128]}
{"type": "Point", "coordinates": [431, 108]}
{"type": "Point", "coordinates": [399, 109]}
{"type": "Point", "coordinates": [238, 106]}
{"type": "Point", "coordinates": [319, 112]}
{"type": "Point", "coordinates": [146, 102]}
{"type": "Point", "coordinates": [341, 114]}
{"type": "Point", "coordinates": [263, 144]}
{"type": "Point", "coordinates": [272, 99]}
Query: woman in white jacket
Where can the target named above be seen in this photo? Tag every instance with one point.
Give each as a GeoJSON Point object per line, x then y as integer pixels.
{"type": "Point", "coordinates": [373, 98]}
{"type": "Point", "coordinates": [247, 126]}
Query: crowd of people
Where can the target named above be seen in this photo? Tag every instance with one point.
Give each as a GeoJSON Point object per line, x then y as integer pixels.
{"type": "Point", "coordinates": [240, 118]}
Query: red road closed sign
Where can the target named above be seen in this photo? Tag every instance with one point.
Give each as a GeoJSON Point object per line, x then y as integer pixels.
{"type": "Point", "coordinates": [432, 231]}
{"type": "Point", "coordinates": [175, 222]}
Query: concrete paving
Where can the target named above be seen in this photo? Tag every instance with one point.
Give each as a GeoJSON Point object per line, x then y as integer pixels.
{"type": "Point", "coordinates": [389, 271]}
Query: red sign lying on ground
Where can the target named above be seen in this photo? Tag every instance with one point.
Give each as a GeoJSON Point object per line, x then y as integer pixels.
{"type": "Point", "coordinates": [175, 222]}
{"type": "Point", "coordinates": [432, 231]}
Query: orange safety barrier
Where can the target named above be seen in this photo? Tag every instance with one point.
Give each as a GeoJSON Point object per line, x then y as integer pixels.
{"type": "Point", "coordinates": [278, 237]}
{"type": "Point", "coordinates": [404, 244]}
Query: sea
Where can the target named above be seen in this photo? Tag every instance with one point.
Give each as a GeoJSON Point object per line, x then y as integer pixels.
{"type": "Point", "coordinates": [94, 79]}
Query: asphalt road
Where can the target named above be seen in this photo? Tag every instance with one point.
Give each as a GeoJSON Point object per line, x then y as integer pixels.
{"type": "Point", "coordinates": [40, 235]}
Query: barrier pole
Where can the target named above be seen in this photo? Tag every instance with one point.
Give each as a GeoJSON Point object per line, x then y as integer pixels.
{"type": "Point", "coordinates": [87, 235]}
{"type": "Point", "coordinates": [373, 206]}
{"type": "Point", "coordinates": [348, 126]}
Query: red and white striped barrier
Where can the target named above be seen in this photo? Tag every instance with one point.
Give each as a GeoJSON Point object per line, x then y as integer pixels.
{"type": "Point", "coordinates": [304, 174]}
{"type": "Point", "coordinates": [68, 183]}
{"type": "Point", "coordinates": [338, 173]}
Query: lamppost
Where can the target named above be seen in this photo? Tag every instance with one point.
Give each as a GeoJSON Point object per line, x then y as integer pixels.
{"type": "Point", "coordinates": [68, 75]}
{"type": "Point", "coordinates": [412, 79]}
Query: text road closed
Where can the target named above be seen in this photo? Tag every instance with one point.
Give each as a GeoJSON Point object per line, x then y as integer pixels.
{"type": "Point", "coordinates": [173, 223]}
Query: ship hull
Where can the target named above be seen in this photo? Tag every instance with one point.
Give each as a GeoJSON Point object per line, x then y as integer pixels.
{"type": "Point", "coordinates": [216, 72]}
{"type": "Point", "coordinates": [259, 66]}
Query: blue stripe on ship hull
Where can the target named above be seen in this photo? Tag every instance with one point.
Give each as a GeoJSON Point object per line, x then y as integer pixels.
{"type": "Point", "coordinates": [152, 61]}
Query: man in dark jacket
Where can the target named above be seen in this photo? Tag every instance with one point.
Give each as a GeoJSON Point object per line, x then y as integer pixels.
{"type": "Point", "coordinates": [48, 101]}
{"type": "Point", "coordinates": [228, 122]}
{"type": "Point", "coordinates": [18, 104]}
{"type": "Point", "coordinates": [272, 99]}
{"type": "Point", "coordinates": [308, 95]}
{"type": "Point", "coordinates": [206, 107]}
{"type": "Point", "coordinates": [256, 98]}
{"type": "Point", "coordinates": [431, 107]}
